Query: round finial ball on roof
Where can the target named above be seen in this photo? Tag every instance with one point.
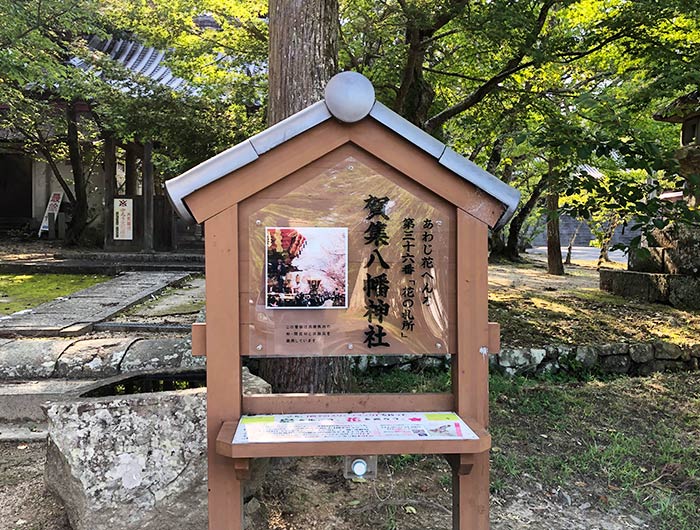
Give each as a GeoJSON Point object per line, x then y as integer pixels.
{"type": "Point", "coordinates": [349, 96]}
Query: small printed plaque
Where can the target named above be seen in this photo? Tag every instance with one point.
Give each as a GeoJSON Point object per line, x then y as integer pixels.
{"type": "Point", "coordinates": [369, 426]}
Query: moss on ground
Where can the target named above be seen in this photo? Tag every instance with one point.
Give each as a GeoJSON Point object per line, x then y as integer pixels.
{"type": "Point", "coordinates": [25, 291]}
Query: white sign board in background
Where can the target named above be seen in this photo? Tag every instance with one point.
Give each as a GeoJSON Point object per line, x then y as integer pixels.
{"type": "Point", "coordinates": [124, 219]}
{"type": "Point", "coordinates": [52, 208]}
{"type": "Point", "coordinates": [375, 426]}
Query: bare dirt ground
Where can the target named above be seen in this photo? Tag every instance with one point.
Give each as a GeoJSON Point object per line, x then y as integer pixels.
{"type": "Point", "coordinates": [13, 250]}
{"type": "Point", "coordinates": [311, 494]}
{"type": "Point", "coordinates": [24, 502]}
{"type": "Point", "coordinates": [416, 495]}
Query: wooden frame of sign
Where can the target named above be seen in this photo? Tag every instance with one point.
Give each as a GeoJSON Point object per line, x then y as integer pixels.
{"type": "Point", "coordinates": [222, 206]}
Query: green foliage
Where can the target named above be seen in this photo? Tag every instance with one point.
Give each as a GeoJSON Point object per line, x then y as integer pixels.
{"type": "Point", "coordinates": [531, 90]}
{"type": "Point", "coordinates": [40, 87]}
{"type": "Point", "coordinates": [534, 90]}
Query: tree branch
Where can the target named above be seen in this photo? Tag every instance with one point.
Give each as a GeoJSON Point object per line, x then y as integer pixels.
{"type": "Point", "coordinates": [514, 65]}
{"type": "Point", "coordinates": [475, 97]}
{"type": "Point", "coordinates": [454, 74]}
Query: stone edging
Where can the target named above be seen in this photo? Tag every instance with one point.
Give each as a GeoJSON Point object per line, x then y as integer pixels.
{"type": "Point", "coordinates": [100, 358]}
{"type": "Point", "coordinates": [92, 358]}
{"type": "Point", "coordinates": [617, 358]}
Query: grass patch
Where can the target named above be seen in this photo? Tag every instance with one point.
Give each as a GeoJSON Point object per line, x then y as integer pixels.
{"type": "Point", "coordinates": [535, 309]}
{"type": "Point", "coordinates": [620, 443]}
{"type": "Point", "coordinates": [25, 291]}
{"type": "Point", "coordinates": [400, 381]}
{"type": "Point", "coordinates": [624, 441]}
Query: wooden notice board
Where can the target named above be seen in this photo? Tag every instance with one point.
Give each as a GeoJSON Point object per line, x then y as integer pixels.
{"type": "Point", "coordinates": [345, 230]}
{"type": "Point", "coordinates": [372, 274]}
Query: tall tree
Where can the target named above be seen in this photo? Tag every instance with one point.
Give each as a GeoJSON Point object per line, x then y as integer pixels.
{"type": "Point", "coordinates": [302, 58]}
{"type": "Point", "coordinates": [40, 92]}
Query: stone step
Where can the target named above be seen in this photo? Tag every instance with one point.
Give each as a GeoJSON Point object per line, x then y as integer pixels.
{"type": "Point", "coordinates": [20, 401]}
{"type": "Point", "coordinates": [96, 267]}
{"type": "Point", "coordinates": [23, 432]}
{"type": "Point", "coordinates": [133, 257]}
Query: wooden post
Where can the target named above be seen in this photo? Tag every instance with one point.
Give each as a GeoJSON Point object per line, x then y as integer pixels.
{"type": "Point", "coordinates": [110, 176]}
{"type": "Point", "coordinates": [470, 492]}
{"type": "Point", "coordinates": [61, 226]}
{"type": "Point", "coordinates": [148, 191]}
{"type": "Point", "coordinates": [52, 226]}
{"type": "Point", "coordinates": [130, 173]}
{"type": "Point", "coordinates": [223, 365]}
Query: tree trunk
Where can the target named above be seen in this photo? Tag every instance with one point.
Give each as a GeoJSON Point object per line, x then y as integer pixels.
{"type": "Point", "coordinates": [415, 95]}
{"type": "Point", "coordinates": [79, 215]}
{"type": "Point", "coordinates": [511, 249]}
{"type": "Point", "coordinates": [604, 257]}
{"type": "Point", "coordinates": [554, 261]}
{"type": "Point", "coordinates": [303, 57]}
{"type": "Point", "coordinates": [303, 54]}
{"type": "Point", "coordinates": [569, 249]}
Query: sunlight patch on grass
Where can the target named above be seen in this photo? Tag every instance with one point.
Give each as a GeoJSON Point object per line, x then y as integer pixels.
{"type": "Point", "coordinates": [550, 305]}
{"type": "Point", "coordinates": [25, 291]}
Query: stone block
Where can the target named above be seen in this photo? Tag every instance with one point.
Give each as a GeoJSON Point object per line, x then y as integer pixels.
{"type": "Point", "coordinates": [606, 278]}
{"type": "Point", "coordinates": [644, 369]}
{"type": "Point", "coordinates": [619, 348]}
{"type": "Point", "coordinates": [684, 292]}
{"type": "Point", "coordinates": [520, 359]}
{"type": "Point", "coordinates": [31, 358]}
{"type": "Point", "coordinates": [93, 358]}
{"type": "Point", "coordinates": [135, 462]}
{"type": "Point", "coordinates": [361, 363]}
{"type": "Point", "coordinates": [388, 361]}
{"type": "Point", "coordinates": [252, 384]}
{"type": "Point", "coordinates": [639, 285]}
{"type": "Point", "coordinates": [21, 401]}
{"type": "Point", "coordinates": [616, 364]}
{"type": "Point", "coordinates": [190, 361]}
{"type": "Point", "coordinates": [537, 355]}
{"type": "Point", "coordinates": [663, 238]}
{"type": "Point", "coordinates": [587, 355]}
{"type": "Point", "coordinates": [552, 351]}
{"type": "Point", "coordinates": [550, 367]}
{"type": "Point", "coordinates": [158, 354]}
{"type": "Point", "coordinates": [669, 366]}
{"type": "Point", "coordinates": [695, 350]}
{"type": "Point", "coordinates": [651, 262]}
{"type": "Point", "coordinates": [666, 350]}
{"type": "Point", "coordinates": [431, 362]}
{"type": "Point", "coordinates": [641, 353]}
{"type": "Point", "coordinates": [683, 255]}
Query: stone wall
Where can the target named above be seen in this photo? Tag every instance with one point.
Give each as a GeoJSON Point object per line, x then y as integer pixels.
{"type": "Point", "coordinates": [679, 290]}
{"type": "Point", "coordinates": [620, 358]}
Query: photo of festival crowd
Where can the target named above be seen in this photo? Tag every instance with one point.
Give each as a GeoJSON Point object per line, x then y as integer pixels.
{"type": "Point", "coordinates": [306, 268]}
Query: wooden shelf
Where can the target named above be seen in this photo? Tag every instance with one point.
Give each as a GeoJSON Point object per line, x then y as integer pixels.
{"type": "Point", "coordinates": [377, 444]}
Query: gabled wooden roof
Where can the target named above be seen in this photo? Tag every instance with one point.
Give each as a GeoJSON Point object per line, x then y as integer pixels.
{"type": "Point", "coordinates": [349, 100]}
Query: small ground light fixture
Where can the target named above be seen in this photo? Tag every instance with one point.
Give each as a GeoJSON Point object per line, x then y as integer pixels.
{"type": "Point", "coordinates": [360, 467]}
